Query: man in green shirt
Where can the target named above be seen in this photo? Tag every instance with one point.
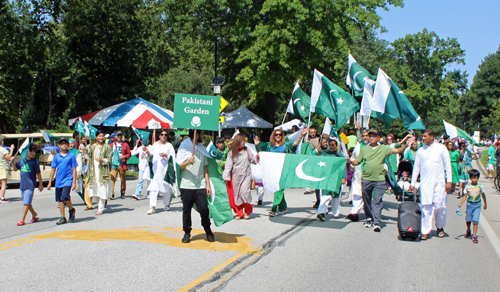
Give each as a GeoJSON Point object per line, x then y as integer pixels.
{"type": "Point", "coordinates": [373, 181]}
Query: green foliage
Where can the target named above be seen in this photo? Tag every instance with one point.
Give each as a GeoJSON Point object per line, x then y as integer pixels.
{"type": "Point", "coordinates": [420, 70]}
{"type": "Point", "coordinates": [485, 94]}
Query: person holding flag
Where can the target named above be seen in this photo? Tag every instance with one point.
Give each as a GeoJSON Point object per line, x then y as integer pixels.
{"type": "Point", "coordinates": [161, 151]}
{"type": "Point", "coordinates": [373, 181]}
{"type": "Point", "coordinates": [121, 152]}
{"type": "Point", "coordinates": [237, 172]}
{"type": "Point", "coordinates": [195, 183]}
{"type": "Point", "coordinates": [356, 190]}
{"type": "Point", "coordinates": [98, 181]}
{"type": "Point", "coordinates": [280, 145]}
{"type": "Point", "coordinates": [143, 166]}
{"type": "Point", "coordinates": [326, 195]}
{"type": "Point", "coordinates": [5, 158]}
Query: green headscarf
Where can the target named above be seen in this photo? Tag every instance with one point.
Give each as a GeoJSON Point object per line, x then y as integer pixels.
{"type": "Point", "coordinates": [74, 150]}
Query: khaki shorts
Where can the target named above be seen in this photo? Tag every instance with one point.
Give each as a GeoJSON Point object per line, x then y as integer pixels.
{"type": "Point", "coordinates": [4, 173]}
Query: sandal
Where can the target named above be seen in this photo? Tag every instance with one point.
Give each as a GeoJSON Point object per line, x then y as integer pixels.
{"type": "Point", "coordinates": [20, 223]}
{"type": "Point", "coordinates": [88, 208]}
{"type": "Point", "coordinates": [98, 213]}
{"type": "Point", "coordinates": [237, 218]}
{"type": "Point", "coordinates": [247, 216]}
{"type": "Point", "coordinates": [440, 232]}
{"type": "Point", "coordinates": [34, 220]}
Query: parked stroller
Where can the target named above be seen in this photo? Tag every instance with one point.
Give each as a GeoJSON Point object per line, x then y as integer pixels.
{"type": "Point", "coordinates": [405, 170]}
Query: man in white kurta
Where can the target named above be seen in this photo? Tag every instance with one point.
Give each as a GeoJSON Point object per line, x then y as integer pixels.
{"type": "Point", "coordinates": [161, 152]}
{"type": "Point", "coordinates": [356, 192]}
{"type": "Point", "coordinates": [433, 164]}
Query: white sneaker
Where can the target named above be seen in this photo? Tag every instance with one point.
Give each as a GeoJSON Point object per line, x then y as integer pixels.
{"type": "Point", "coordinates": [166, 208]}
{"type": "Point", "coordinates": [151, 211]}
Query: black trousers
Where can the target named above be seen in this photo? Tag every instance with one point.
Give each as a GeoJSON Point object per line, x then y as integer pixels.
{"type": "Point", "coordinates": [318, 197]}
{"type": "Point", "coordinates": [196, 197]}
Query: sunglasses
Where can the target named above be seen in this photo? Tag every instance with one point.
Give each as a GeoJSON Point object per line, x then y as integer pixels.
{"type": "Point", "coordinates": [278, 134]}
{"type": "Point", "coordinates": [163, 134]}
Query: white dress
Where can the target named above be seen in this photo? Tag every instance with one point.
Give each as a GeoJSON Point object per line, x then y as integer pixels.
{"type": "Point", "coordinates": [102, 191]}
{"type": "Point", "coordinates": [79, 180]}
{"type": "Point", "coordinates": [160, 165]}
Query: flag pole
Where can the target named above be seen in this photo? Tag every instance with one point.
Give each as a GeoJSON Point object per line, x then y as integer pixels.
{"type": "Point", "coordinates": [194, 143]}
{"type": "Point", "coordinates": [284, 118]}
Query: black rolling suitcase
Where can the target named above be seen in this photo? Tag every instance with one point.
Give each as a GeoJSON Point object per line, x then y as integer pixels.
{"type": "Point", "coordinates": [409, 219]}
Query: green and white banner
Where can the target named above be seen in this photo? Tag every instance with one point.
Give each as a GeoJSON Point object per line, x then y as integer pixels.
{"type": "Point", "coordinates": [284, 171]}
{"type": "Point", "coordinates": [199, 112]}
{"type": "Point", "coordinates": [455, 132]}
{"type": "Point", "coordinates": [299, 104]}
{"type": "Point", "coordinates": [48, 137]}
{"type": "Point", "coordinates": [356, 76]}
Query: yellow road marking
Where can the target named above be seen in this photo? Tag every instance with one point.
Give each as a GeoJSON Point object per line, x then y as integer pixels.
{"type": "Point", "coordinates": [210, 273]}
{"type": "Point", "coordinates": [166, 235]}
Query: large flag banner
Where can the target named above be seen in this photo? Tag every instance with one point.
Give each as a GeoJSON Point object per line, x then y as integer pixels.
{"type": "Point", "coordinates": [356, 76]}
{"type": "Point", "coordinates": [143, 135]}
{"type": "Point", "coordinates": [455, 132]}
{"type": "Point", "coordinates": [299, 104]}
{"type": "Point", "coordinates": [284, 171]}
{"type": "Point", "coordinates": [218, 202]}
{"type": "Point", "coordinates": [389, 99]}
{"type": "Point", "coordinates": [48, 137]}
{"type": "Point", "coordinates": [331, 101]}
{"type": "Point", "coordinates": [23, 150]}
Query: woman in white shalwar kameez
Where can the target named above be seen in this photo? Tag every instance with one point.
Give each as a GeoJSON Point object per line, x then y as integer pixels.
{"type": "Point", "coordinates": [432, 162]}
{"type": "Point", "coordinates": [161, 152]}
{"type": "Point", "coordinates": [98, 178]}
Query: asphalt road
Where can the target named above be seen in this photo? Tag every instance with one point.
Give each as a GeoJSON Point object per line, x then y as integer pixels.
{"type": "Point", "coordinates": [127, 250]}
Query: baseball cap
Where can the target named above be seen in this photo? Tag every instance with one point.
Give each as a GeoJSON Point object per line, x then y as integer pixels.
{"type": "Point", "coordinates": [113, 135]}
{"type": "Point", "coordinates": [374, 131]}
{"type": "Point", "coordinates": [119, 133]}
{"type": "Point", "coordinates": [106, 136]}
{"type": "Point", "coordinates": [63, 139]}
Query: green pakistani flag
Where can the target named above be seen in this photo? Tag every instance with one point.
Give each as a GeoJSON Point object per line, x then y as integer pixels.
{"type": "Point", "coordinates": [23, 150]}
{"type": "Point", "coordinates": [283, 171]}
{"type": "Point", "coordinates": [356, 76]}
{"type": "Point", "coordinates": [455, 132]}
{"type": "Point", "coordinates": [213, 151]}
{"type": "Point", "coordinates": [143, 135]}
{"type": "Point", "coordinates": [80, 127]}
{"type": "Point", "coordinates": [389, 99]}
{"type": "Point", "coordinates": [331, 101]}
{"type": "Point", "coordinates": [90, 130]}
{"type": "Point", "coordinates": [48, 137]}
{"type": "Point", "coordinates": [299, 104]}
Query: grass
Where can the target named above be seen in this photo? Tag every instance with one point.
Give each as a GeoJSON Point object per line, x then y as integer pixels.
{"type": "Point", "coordinates": [484, 158]}
{"type": "Point", "coordinates": [132, 173]}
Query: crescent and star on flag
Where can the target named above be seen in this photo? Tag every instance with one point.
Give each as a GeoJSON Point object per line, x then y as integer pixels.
{"type": "Point", "coordinates": [300, 172]}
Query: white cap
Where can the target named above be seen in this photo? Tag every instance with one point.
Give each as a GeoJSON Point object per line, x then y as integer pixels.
{"type": "Point", "coordinates": [106, 136]}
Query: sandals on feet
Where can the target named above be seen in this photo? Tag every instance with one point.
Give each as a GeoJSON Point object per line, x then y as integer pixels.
{"type": "Point", "coordinates": [35, 219]}
{"type": "Point", "coordinates": [20, 223]}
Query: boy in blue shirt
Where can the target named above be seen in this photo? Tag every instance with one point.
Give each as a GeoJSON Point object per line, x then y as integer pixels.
{"type": "Point", "coordinates": [473, 192]}
{"type": "Point", "coordinates": [65, 163]}
{"type": "Point", "coordinates": [30, 169]}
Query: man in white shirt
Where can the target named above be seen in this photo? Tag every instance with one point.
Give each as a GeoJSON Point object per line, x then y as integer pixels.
{"type": "Point", "coordinates": [432, 162]}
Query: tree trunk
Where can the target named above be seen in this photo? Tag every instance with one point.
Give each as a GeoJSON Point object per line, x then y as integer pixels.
{"type": "Point", "coordinates": [47, 123]}
{"type": "Point", "coordinates": [270, 105]}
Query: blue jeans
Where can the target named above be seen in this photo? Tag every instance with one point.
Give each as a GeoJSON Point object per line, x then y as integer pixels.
{"type": "Point", "coordinates": [138, 191]}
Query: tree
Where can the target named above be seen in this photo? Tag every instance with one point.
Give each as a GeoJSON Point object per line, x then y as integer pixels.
{"type": "Point", "coordinates": [484, 95]}
{"type": "Point", "coordinates": [420, 69]}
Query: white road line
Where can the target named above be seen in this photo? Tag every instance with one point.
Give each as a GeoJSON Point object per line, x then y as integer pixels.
{"type": "Point", "coordinates": [492, 236]}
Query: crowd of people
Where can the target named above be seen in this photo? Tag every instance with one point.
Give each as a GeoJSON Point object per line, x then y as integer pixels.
{"type": "Point", "coordinates": [91, 171]}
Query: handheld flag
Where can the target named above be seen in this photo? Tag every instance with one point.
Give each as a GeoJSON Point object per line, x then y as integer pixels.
{"type": "Point", "coordinates": [331, 101]}
{"type": "Point", "coordinates": [116, 161]}
{"type": "Point", "coordinates": [143, 135]}
{"type": "Point", "coordinates": [213, 151]}
{"type": "Point", "coordinates": [356, 76]}
{"type": "Point", "coordinates": [90, 130]}
{"type": "Point", "coordinates": [299, 104]}
{"type": "Point", "coordinates": [389, 99]}
{"type": "Point", "coordinates": [48, 137]}
{"type": "Point", "coordinates": [23, 150]}
{"type": "Point", "coordinates": [455, 132]}
{"type": "Point", "coordinates": [80, 127]}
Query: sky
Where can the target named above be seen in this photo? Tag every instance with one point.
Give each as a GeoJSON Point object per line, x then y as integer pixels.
{"type": "Point", "coordinates": [475, 25]}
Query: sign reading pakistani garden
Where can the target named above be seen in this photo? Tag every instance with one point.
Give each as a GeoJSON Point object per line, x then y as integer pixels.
{"type": "Point", "coordinates": [200, 112]}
